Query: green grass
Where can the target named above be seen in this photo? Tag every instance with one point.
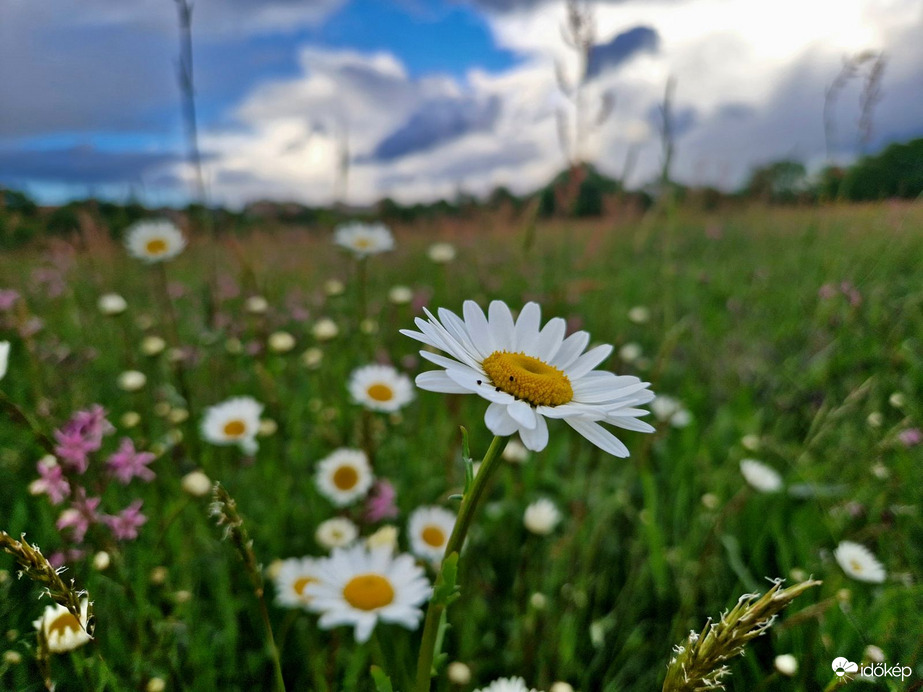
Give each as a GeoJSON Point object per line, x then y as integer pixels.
{"type": "Point", "coordinates": [738, 333]}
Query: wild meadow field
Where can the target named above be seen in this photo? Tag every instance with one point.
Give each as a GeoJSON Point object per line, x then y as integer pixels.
{"type": "Point", "coordinates": [792, 337]}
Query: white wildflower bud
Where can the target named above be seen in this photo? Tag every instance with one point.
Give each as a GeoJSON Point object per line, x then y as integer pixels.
{"type": "Point", "coordinates": [281, 342]}
{"type": "Point", "coordinates": [268, 427]}
{"type": "Point", "coordinates": [178, 415]}
{"type": "Point", "coordinates": [131, 380]}
{"type": "Point", "coordinates": [897, 400]}
{"type": "Point", "coordinates": [325, 329]}
{"type": "Point", "coordinates": [515, 452]}
{"type": "Point", "coordinates": [334, 287]}
{"type": "Point", "coordinates": [441, 253]}
{"type": "Point", "coordinates": [111, 304]}
{"type": "Point", "coordinates": [196, 483]}
{"type": "Point", "coordinates": [750, 442]}
{"type": "Point", "coordinates": [630, 352]}
{"type": "Point", "coordinates": [101, 560]}
{"type": "Point", "coordinates": [561, 686]}
{"type": "Point", "coordinates": [541, 517]}
{"type": "Point", "coordinates": [182, 596]}
{"type": "Point", "coordinates": [12, 658]}
{"type": "Point", "coordinates": [786, 664]}
{"type": "Point", "coordinates": [875, 419]}
{"type": "Point", "coordinates": [155, 685]}
{"type": "Point", "coordinates": [152, 345]}
{"type": "Point", "coordinates": [312, 357]}
{"type": "Point", "coordinates": [256, 305]}
{"type": "Point", "coordinates": [873, 654]}
{"type": "Point", "coordinates": [274, 568]}
{"type": "Point", "coordinates": [639, 314]}
{"type": "Point", "coordinates": [538, 601]}
{"type": "Point", "coordinates": [336, 533]}
{"type": "Point", "coordinates": [400, 295]}
{"type": "Point", "coordinates": [158, 575]}
{"type": "Point", "coordinates": [458, 673]}
{"type": "Point", "coordinates": [710, 501]}
{"type": "Point", "coordinates": [386, 535]}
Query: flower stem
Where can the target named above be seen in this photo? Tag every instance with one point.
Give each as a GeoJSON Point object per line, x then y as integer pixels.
{"type": "Point", "coordinates": [434, 611]}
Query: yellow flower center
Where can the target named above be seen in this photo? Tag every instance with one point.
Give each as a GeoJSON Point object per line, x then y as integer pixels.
{"type": "Point", "coordinates": [156, 246]}
{"type": "Point", "coordinates": [362, 243]}
{"type": "Point", "coordinates": [856, 565]}
{"type": "Point", "coordinates": [380, 392]}
{"type": "Point", "coordinates": [368, 592]}
{"type": "Point", "coordinates": [64, 623]}
{"type": "Point", "coordinates": [528, 378]}
{"type": "Point", "coordinates": [234, 428]}
{"type": "Point", "coordinates": [433, 536]}
{"type": "Point", "coordinates": [300, 585]}
{"type": "Point", "coordinates": [345, 477]}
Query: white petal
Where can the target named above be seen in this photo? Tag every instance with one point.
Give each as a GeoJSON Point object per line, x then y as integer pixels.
{"type": "Point", "coordinates": [439, 381]}
{"type": "Point", "coordinates": [550, 339]}
{"type": "Point", "coordinates": [498, 420]}
{"type": "Point", "coordinates": [522, 413]}
{"type": "Point", "coordinates": [599, 436]}
{"type": "Point", "coordinates": [501, 326]}
{"type": "Point", "coordinates": [571, 349]}
{"type": "Point", "coordinates": [629, 423]}
{"type": "Point", "coordinates": [478, 328]}
{"type": "Point", "coordinates": [535, 439]}
{"type": "Point", "coordinates": [364, 628]}
{"type": "Point", "coordinates": [478, 384]}
{"type": "Point", "coordinates": [588, 361]}
{"type": "Point", "coordinates": [527, 328]}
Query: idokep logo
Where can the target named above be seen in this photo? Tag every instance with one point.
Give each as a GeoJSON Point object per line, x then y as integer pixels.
{"type": "Point", "coordinates": [841, 666]}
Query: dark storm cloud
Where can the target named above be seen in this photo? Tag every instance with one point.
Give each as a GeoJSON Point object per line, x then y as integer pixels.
{"type": "Point", "coordinates": [80, 165]}
{"type": "Point", "coordinates": [513, 5]}
{"type": "Point", "coordinates": [438, 122]}
{"type": "Point", "coordinates": [608, 56]}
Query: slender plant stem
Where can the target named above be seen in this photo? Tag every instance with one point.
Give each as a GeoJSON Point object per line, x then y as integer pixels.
{"type": "Point", "coordinates": [273, 650]}
{"type": "Point", "coordinates": [466, 512]}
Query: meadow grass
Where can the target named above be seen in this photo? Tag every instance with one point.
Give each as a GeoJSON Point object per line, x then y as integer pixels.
{"type": "Point", "coordinates": [739, 332]}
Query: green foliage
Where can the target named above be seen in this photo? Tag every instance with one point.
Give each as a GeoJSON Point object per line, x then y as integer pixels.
{"type": "Point", "coordinates": [895, 172]}
{"type": "Point", "coordinates": [779, 181]}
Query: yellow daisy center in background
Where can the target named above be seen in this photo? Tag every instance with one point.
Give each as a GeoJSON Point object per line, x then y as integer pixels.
{"type": "Point", "coordinates": [528, 378]}
{"type": "Point", "coordinates": [368, 592]}
{"type": "Point", "coordinates": [64, 623]}
{"type": "Point", "coordinates": [856, 565]}
{"type": "Point", "coordinates": [434, 536]}
{"type": "Point", "coordinates": [234, 428]}
{"type": "Point", "coordinates": [345, 477]}
{"type": "Point", "coordinates": [156, 246]}
{"type": "Point", "coordinates": [362, 243]}
{"type": "Point", "coordinates": [380, 392]}
{"type": "Point", "coordinates": [300, 585]}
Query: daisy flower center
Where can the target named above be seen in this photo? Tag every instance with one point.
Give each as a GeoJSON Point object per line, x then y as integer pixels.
{"type": "Point", "coordinates": [856, 565]}
{"type": "Point", "coordinates": [301, 583]}
{"type": "Point", "coordinates": [345, 477]}
{"type": "Point", "coordinates": [528, 378]}
{"type": "Point", "coordinates": [368, 592]}
{"type": "Point", "coordinates": [156, 246]}
{"type": "Point", "coordinates": [64, 623]}
{"type": "Point", "coordinates": [380, 392]}
{"type": "Point", "coordinates": [434, 536]}
{"type": "Point", "coordinates": [234, 428]}
{"type": "Point", "coordinates": [362, 243]}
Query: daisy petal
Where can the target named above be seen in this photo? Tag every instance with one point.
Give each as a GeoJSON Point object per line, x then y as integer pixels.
{"type": "Point", "coordinates": [526, 328]}
{"type": "Point", "coordinates": [498, 420]}
{"type": "Point", "coordinates": [588, 361]}
{"type": "Point", "coordinates": [535, 439]}
{"type": "Point", "coordinates": [571, 349]}
{"type": "Point", "coordinates": [501, 326]}
{"type": "Point", "coordinates": [522, 413]}
{"type": "Point", "coordinates": [478, 328]}
{"type": "Point", "coordinates": [439, 381]}
{"type": "Point", "coordinates": [599, 436]}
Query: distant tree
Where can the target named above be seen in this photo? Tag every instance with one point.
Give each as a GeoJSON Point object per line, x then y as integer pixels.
{"type": "Point", "coordinates": [895, 172]}
{"type": "Point", "coordinates": [779, 181]}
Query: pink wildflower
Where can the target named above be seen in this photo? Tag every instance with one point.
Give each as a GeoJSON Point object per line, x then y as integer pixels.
{"type": "Point", "coordinates": [910, 437]}
{"type": "Point", "coordinates": [80, 516]}
{"type": "Point", "coordinates": [127, 463]}
{"type": "Point", "coordinates": [52, 481]}
{"type": "Point", "coordinates": [380, 503]}
{"type": "Point", "coordinates": [125, 524]}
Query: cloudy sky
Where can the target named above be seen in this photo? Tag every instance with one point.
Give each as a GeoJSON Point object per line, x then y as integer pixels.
{"type": "Point", "coordinates": [430, 97]}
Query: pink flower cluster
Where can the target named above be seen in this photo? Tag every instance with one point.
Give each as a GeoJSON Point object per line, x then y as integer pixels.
{"type": "Point", "coordinates": [65, 477]}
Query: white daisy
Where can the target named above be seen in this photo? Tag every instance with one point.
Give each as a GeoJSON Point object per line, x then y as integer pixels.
{"type": "Point", "coordinates": [4, 357]}
{"type": "Point", "coordinates": [344, 476]}
{"type": "Point", "coordinates": [441, 253]}
{"type": "Point", "coordinates": [111, 304]}
{"type": "Point", "coordinates": [364, 239]}
{"type": "Point", "coordinates": [541, 517]}
{"type": "Point", "coordinates": [529, 374]}
{"type": "Point", "coordinates": [762, 477]}
{"type": "Point", "coordinates": [380, 388]}
{"type": "Point", "coordinates": [61, 629]}
{"type": "Point", "coordinates": [154, 241]}
{"type": "Point", "coordinates": [506, 685]}
{"type": "Point", "coordinates": [429, 529]}
{"type": "Point", "coordinates": [291, 577]}
{"type": "Point", "coordinates": [666, 408]}
{"type": "Point", "coordinates": [859, 563]}
{"type": "Point", "coordinates": [235, 421]}
{"type": "Point", "coordinates": [337, 532]}
{"type": "Point", "coordinates": [357, 586]}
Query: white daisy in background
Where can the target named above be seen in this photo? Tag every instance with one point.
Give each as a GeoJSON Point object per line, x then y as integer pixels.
{"type": "Point", "coordinates": [380, 388]}
{"type": "Point", "coordinates": [429, 529]}
{"type": "Point", "coordinates": [859, 563]}
{"type": "Point", "coordinates": [762, 477]}
{"type": "Point", "coordinates": [291, 577]}
{"type": "Point", "coordinates": [441, 253]}
{"type": "Point", "coordinates": [666, 408]}
{"type": "Point", "coordinates": [325, 329]}
{"type": "Point", "coordinates": [131, 380]}
{"type": "Point", "coordinates": [541, 517]}
{"type": "Point", "coordinates": [639, 314]}
{"type": "Point", "coordinates": [154, 241]}
{"type": "Point", "coordinates": [515, 452]}
{"type": "Point", "coordinates": [400, 295]}
{"type": "Point", "coordinates": [364, 239]}
{"type": "Point", "coordinates": [235, 421]}
{"type": "Point", "coordinates": [529, 374]}
{"type": "Point", "coordinates": [4, 357]}
{"type": "Point", "coordinates": [506, 685]}
{"type": "Point", "coordinates": [337, 532]}
{"type": "Point", "coordinates": [62, 630]}
{"type": "Point", "coordinates": [344, 476]}
{"type": "Point", "coordinates": [357, 586]}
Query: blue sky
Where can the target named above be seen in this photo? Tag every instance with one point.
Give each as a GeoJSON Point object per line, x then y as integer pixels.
{"type": "Point", "coordinates": [429, 97]}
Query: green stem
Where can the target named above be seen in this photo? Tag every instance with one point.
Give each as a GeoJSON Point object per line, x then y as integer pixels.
{"type": "Point", "coordinates": [273, 650]}
{"type": "Point", "coordinates": [465, 516]}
